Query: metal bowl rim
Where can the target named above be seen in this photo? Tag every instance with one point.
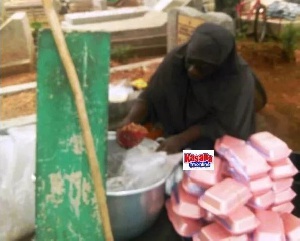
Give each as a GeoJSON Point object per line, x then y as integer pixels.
{"type": "Point", "coordinates": [136, 191]}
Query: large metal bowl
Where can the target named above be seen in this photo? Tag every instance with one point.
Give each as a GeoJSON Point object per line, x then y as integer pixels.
{"type": "Point", "coordinates": [133, 212]}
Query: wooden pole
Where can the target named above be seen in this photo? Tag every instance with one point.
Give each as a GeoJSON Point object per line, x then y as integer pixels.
{"type": "Point", "coordinates": [83, 117]}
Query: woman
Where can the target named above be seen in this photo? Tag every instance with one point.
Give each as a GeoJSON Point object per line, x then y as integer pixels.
{"type": "Point", "coordinates": [201, 91]}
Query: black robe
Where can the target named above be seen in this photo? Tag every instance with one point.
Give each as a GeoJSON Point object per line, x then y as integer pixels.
{"type": "Point", "coordinates": [223, 103]}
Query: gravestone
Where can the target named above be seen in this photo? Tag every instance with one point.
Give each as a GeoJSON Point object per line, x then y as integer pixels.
{"type": "Point", "coordinates": [167, 5]}
{"type": "Point", "coordinates": [17, 48]}
{"type": "Point", "coordinates": [144, 34]}
{"type": "Point", "coordinates": [105, 15]}
{"type": "Point", "coordinates": [183, 20]}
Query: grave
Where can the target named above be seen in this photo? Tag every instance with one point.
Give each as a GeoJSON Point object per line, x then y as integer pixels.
{"type": "Point", "coordinates": [183, 20]}
{"type": "Point", "coordinates": [167, 5]}
{"type": "Point", "coordinates": [143, 28]}
{"type": "Point", "coordinates": [105, 15]}
{"type": "Point", "coordinates": [144, 34]}
{"type": "Point", "coordinates": [17, 48]}
{"type": "Point", "coordinates": [133, 12]}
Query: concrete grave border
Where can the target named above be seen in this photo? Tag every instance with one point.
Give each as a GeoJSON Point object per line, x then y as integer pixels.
{"type": "Point", "coordinates": [25, 62]}
{"type": "Point", "coordinates": [31, 119]}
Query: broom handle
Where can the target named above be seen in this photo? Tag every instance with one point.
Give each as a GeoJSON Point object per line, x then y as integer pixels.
{"type": "Point", "coordinates": [83, 117]}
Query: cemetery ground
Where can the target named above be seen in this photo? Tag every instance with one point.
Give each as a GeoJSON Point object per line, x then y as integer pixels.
{"type": "Point", "coordinates": [280, 78]}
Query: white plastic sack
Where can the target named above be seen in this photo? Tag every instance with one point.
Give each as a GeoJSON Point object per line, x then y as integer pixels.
{"type": "Point", "coordinates": [145, 169]}
{"type": "Point", "coordinates": [135, 168]}
{"type": "Point", "coordinates": [138, 167]}
{"type": "Point", "coordinates": [17, 190]}
{"type": "Point", "coordinates": [119, 93]}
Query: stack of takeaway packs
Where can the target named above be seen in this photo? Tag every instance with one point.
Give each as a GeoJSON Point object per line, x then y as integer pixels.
{"type": "Point", "coordinates": [247, 196]}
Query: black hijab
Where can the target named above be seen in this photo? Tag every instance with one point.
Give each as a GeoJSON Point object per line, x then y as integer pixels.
{"type": "Point", "coordinates": [222, 103]}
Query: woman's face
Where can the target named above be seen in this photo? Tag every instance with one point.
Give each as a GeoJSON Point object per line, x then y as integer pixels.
{"type": "Point", "coordinates": [198, 70]}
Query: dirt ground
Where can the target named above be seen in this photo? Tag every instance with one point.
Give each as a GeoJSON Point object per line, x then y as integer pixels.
{"type": "Point", "coordinates": [281, 116]}
{"type": "Point", "coordinates": [24, 103]}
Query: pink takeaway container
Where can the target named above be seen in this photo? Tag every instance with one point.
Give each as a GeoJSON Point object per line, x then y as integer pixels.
{"type": "Point", "coordinates": [185, 227]}
{"type": "Point", "coordinates": [280, 185]}
{"type": "Point", "coordinates": [270, 228]}
{"type": "Point", "coordinates": [277, 163]}
{"type": "Point", "coordinates": [207, 179]}
{"type": "Point", "coordinates": [263, 201]}
{"type": "Point", "coordinates": [291, 227]}
{"type": "Point", "coordinates": [241, 221]}
{"type": "Point", "coordinates": [226, 142]}
{"type": "Point", "coordinates": [284, 196]}
{"type": "Point", "coordinates": [273, 148]}
{"type": "Point", "coordinates": [284, 170]}
{"type": "Point", "coordinates": [225, 197]}
{"type": "Point", "coordinates": [215, 232]}
{"type": "Point", "coordinates": [261, 185]}
{"type": "Point", "coordinates": [246, 161]}
{"type": "Point", "coordinates": [209, 217]}
{"type": "Point", "coordinates": [226, 169]}
{"type": "Point", "coordinates": [283, 208]}
{"type": "Point", "coordinates": [191, 187]}
{"type": "Point", "coordinates": [257, 186]}
{"type": "Point", "coordinates": [187, 206]}
{"type": "Point", "coordinates": [223, 144]}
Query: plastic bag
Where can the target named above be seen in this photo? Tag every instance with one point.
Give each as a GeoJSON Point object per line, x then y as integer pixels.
{"type": "Point", "coordinates": [135, 168]}
{"type": "Point", "coordinates": [17, 191]}
{"type": "Point", "coordinates": [119, 93]}
{"type": "Point", "coordinates": [146, 169]}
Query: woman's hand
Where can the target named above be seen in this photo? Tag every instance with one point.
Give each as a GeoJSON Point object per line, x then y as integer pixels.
{"type": "Point", "coordinates": [137, 114]}
{"type": "Point", "coordinates": [119, 125]}
{"type": "Point", "coordinates": [171, 145]}
{"type": "Point", "coordinates": [176, 143]}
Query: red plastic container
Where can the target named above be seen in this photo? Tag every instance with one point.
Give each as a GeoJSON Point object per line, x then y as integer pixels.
{"type": "Point", "coordinates": [131, 135]}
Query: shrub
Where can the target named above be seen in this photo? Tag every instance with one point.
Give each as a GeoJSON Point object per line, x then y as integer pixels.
{"type": "Point", "coordinates": [289, 40]}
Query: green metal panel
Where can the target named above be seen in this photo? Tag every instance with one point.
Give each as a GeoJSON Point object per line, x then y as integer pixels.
{"type": "Point", "coordinates": [65, 200]}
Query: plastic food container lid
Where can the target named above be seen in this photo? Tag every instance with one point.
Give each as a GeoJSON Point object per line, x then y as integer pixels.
{"type": "Point", "coordinates": [207, 179]}
{"type": "Point", "coordinates": [270, 146]}
{"type": "Point", "coordinates": [270, 228]}
{"type": "Point", "coordinates": [185, 227]}
{"type": "Point", "coordinates": [186, 205]}
{"type": "Point", "coordinates": [241, 221]}
{"type": "Point", "coordinates": [225, 197]}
